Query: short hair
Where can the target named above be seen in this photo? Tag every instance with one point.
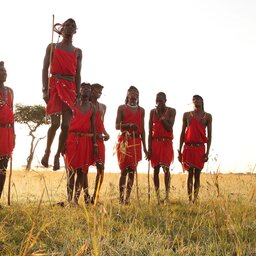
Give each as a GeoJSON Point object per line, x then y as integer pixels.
{"type": "Point", "coordinates": [58, 28]}
{"type": "Point", "coordinates": [161, 94]}
{"type": "Point", "coordinates": [86, 85]}
{"type": "Point", "coordinates": [131, 88]}
{"type": "Point", "coordinates": [68, 20]}
{"type": "Point", "coordinates": [96, 85]}
{"type": "Point", "coordinates": [201, 98]}
{"type": "Point", "coordinates": [1, 63]}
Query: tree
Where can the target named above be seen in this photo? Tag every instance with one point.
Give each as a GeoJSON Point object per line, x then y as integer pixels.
{"type": "Point", "coordinates": [33, 116]}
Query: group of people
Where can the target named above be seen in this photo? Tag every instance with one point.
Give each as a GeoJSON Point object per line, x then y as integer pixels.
{"type": "Point", "coordinates": [74, 107]}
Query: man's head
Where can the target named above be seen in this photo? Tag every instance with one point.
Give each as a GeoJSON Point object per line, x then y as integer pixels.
{"type": "Point", "coordinates": [3, 74]}
{"type": "Point", "coordinates": [132, 96]}
{"type": "Point", "coordinates": [198, 101]}
{"type": "Point", "coordinates": [67, 28]}
{"type": "Point", "coordinates": [85, 89]}
{"type": "Point", "coordinates": [160, 99]}
{"type": "Point", "coordinates": [97, 90]}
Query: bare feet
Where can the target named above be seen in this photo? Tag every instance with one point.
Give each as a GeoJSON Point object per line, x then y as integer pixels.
{"type": "Point", "coordinates": [45, 159]}
{"type": "Point", "coordinates": [56, 163]}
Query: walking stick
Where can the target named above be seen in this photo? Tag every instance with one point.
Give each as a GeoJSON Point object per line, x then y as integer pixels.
{"type": "Point", "coordinates": [50, 63]}
{"type": "Point", "coordinates": [148, 182]}
{"type": "Point", "coordinates": [136, 173]}
{"type": "Point", "coordinates": [9, 184]}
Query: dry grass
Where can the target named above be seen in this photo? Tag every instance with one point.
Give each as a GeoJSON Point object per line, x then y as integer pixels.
{"type": "Point", "coordinates": [222, 223]}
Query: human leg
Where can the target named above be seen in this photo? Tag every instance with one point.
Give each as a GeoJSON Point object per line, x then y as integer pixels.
{"type": "Point", "coordinates": [190, 183]}
{"type": "Point", "coordinates": [156, 182]}
{"type": "Point", "coordinates": [98, 181]}
{"type": "Point", "coordinates": [55, 124]}
{"type": "Point", "coordinates": [122, 182]}
{"type": "Point", "coordinates": [79, 184]}
{"type": "Point", "coordinates": [66, 117]}
{"type": "Point", "coordinates": [129, 185]}
{"type": "Point", "coordinates": [70, 184]}
{"type": "Point", "coordinates": [167, 181]}
{"type": "Point", "coordinates": [3, 168]}
{"type": "Point", "coordinates": [197, 183]}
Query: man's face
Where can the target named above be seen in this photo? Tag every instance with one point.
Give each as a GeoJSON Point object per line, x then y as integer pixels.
{"type": "Point", "coordinates": [96, 92]}
{"type": "Point", "coordinates": [197, 101]}
{"type": "Point", "coordinates": [3, 74]}
{"type": "Point", "coordinates": [85, 90]}
{"type": "Point", "coordinates": [69, 28]}
{"type": "Point", "coordinates": [133, 96]}
{"type": "Point", "coordinates": [160, 101]}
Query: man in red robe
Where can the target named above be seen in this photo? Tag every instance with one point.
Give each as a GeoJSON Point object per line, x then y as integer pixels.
{"type": "Point", "coordinates": [160, 150]}
{"type": "Point", "coordinates": [130, 122]}
{"type": "Point", "coordinates": [193, 136]}
{"type": "Point", "coordinates": [101, 136]}
{"type": "Point", "coordinates": [81, 145]}
{"type": "Point", "coordinates": [62, 87]}
{"type": "Point", "coordinates": [7, 135]}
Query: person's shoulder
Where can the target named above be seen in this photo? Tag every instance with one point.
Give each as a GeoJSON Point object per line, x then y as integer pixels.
{"type": "Point", "coordinates": [208, 115]}
{"type": "Point", "coordinates": [187, 114]}
{"type": "Point", "coordinates": [172, 110]}
{"type": "Point", "coordinates": [121, 107]}
{"type": "Point", "coordinates": [9, 89]}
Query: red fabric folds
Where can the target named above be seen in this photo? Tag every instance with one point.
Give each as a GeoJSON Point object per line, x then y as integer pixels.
{"type": "Point", "coordinates": [79, 146]}
{"type": "Point", "coordinates": [62, 92]}
{"type": "Point", "coordinates": [128, 147]}
{"type": "Point", "coordinates": [6, 118]}
{"type": "Point", "coordinates": [162, 149]}
{"type": "Point", "coordinates": [193, 155]}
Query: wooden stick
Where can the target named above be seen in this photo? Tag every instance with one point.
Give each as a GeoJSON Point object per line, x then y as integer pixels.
{"type": "Point", "coordinates": [135, 163]}
{"type": "Point", "coordinates": [9, 183]}
{"type": "Point", "coordinates": [148, 182]}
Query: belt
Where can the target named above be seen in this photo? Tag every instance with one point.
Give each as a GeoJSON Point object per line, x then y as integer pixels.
{"type": "Point", "coordinates": [131, 135]}
{"type": "Point", "coordinates": [69, 78]}
{"type": "Point", "coordinates": [162, 139]}
{"type": "Point", "coordinates": [7, 125]}
{"type": "Point", "coordinates": [80, 134]}
{"type": "Point", "coordinates": [194, 144]}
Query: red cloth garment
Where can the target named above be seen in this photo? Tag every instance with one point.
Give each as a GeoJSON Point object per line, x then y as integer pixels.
{"type": "Point", "coordinates": [128, 147]}
{"type": "Point", "coordinates": [162, 149]}
{"type": "Point", "coordinates": [79, 146]}
{"type": "Point", "coordinates": [6, 118]}
{"type": "Point", "coordinates": [99, 126]}
{"type": "Point", "coordinates": [62, 92]}
{"type": "Point", "coordinates": [194, 148]}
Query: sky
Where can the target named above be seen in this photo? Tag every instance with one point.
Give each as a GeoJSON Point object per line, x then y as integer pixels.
{"type": "Point", "coordinates": [179, 47]}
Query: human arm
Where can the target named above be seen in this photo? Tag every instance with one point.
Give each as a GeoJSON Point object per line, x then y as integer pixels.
{"type": "Point", "coordinates": [150, 126]}
{"type": "Point", "coordinates": [143, 132]}
{"type": "Point", "coordinates": [182, 136]}
{"type": "Point", "coordinates": [94, 142]}
{"type": "Point", "coordinates": [168, 119]}
{"type": "Point", "coordinates": [78, 71]}
{"type": "Point", "coordinates": [45, 73]}
{"type": "Point", "coordinates": [209, 135]}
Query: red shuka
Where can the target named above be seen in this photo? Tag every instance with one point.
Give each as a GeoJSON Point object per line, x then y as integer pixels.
{"type": "Point", "coordinates": [162, 150]}
{"type": "Point", "coordinates": [62, 92]}
{"type": "Point", "coordinates": [79, 146]}
{"type": "Point", "coordinates": [6, 118]}
{"type": "Point", "coordinates": [193, 155]}
{"type": "Point", "coordinates": [99, 125]}
{"type": "Point", "coordinates": [129, 148]}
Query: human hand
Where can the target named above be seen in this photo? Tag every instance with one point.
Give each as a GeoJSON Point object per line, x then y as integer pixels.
{"type": "Point", "coordinates": [179, 156]}
{"type": "Point", "coordinates": [205, 157]}
{"type": "Point", "coordinates": [106, 137]}
{"type": "Point", "coordinates": [148, 155]}
{"type": "Point", "coordinates": [95, 149]}
{"type": "Point", "coordinates": [133, 127]}
{"type": "Point", "coordinates": [46, 97]}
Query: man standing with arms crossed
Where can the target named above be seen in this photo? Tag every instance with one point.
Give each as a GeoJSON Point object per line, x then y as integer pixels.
{"type": "Point", "coordinates": [160, 150]}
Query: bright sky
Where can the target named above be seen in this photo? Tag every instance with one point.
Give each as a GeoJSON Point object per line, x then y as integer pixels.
{"type": "Point", "coordinates": [179, 47]}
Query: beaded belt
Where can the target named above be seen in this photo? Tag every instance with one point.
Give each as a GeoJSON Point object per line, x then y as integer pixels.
{"type": "Point", "coordinates": [69, 78]}
{"type": "Point", "coordinates": [7, 125]}
{"type": "Point", "coordinates": [80, 134]}
{"type": "Point", "coordinates": [194, 144]}
{"type": "Point", "coordinates": [131, 135]}
{"type": "Point", "coordinates": [161, 139]}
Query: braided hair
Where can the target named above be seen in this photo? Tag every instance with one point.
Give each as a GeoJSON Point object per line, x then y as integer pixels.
{"type": "Point", "coordinates": [132, 88]}
{"type": "Point", "coordinates": [199, 97]}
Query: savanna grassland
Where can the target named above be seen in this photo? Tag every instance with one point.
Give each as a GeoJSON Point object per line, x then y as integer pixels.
{"type": "Point", "coordinates": [222, 222]}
